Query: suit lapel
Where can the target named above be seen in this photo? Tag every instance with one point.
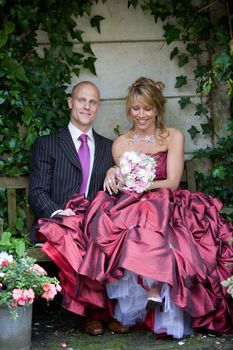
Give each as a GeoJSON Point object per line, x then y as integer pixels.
{"type": "Point", "coordinates": [99, 151]}
{"type": "Point", "coordinates": [66, 143]}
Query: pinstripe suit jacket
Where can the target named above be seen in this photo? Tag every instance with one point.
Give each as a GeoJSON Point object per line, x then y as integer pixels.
{"type": "Point", "coordinates": [55, 171]}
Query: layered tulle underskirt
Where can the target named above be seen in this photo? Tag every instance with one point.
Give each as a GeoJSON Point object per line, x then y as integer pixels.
{"type": "Point", "coordinates": [131, 310]}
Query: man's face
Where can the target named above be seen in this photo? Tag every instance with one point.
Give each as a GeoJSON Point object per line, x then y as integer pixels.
{"type": "Point", "coordinates": [84, 104]}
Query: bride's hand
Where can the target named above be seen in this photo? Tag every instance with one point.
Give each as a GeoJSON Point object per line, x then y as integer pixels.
{"type": "Point", "coordinates": [110, 183]}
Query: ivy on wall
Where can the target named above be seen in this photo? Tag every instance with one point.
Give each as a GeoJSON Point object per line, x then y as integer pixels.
{"type": "Point", "coordinates": [33, 81]}
{"type": "Point", "coordinates": [205, 28]}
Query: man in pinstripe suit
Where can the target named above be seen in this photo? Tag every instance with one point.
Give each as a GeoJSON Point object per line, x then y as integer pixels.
{"type": "Point", "coordinates": [55, 169]}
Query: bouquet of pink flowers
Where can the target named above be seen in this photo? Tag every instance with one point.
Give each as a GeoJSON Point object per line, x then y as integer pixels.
{"type": "Point", "coordinates": [21, 280]}
{"type": "Point", "coordinates": [136, 172]}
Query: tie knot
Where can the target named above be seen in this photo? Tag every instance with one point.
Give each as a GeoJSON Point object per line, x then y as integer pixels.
{"type": "Point", "coordinates": [83, 138]}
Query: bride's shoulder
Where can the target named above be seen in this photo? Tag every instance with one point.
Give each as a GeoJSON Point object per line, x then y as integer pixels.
{"type": "Point", "coordinates": [174, 133]}
{"type": "Point", "coordinates": [122, 139]}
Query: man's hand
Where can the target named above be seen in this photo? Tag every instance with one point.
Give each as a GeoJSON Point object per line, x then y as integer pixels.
{"type": "Point", "coordinates": [66, 212]}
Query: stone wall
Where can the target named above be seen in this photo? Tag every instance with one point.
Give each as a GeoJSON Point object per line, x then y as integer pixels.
{"type": "Point", "coordinates": [131, 45]}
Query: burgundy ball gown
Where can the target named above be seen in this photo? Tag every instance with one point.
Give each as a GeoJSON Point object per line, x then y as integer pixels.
{"type": "Point", "coordinates": [174, 237]}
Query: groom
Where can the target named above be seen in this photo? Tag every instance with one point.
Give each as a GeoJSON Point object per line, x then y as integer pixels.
{"type": "Point", "coordinates": [73, 160]}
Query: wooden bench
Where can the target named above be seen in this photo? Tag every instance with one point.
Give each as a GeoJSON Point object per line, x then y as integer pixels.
{"type": "Point", "coordinates": [15, 183]}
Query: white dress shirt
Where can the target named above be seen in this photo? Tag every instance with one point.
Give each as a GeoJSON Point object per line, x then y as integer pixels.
{"type": "Point", "coordinates": [75, 133]}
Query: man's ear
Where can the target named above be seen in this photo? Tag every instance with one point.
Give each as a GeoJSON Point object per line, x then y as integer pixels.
{"type": "Point", "coordinates": [70, 102]}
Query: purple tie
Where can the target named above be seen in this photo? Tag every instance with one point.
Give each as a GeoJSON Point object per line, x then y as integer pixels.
{"type": "Point", "coordinates": [84, 156]}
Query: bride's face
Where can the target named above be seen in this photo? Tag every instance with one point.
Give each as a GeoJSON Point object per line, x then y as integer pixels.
{"type": "Point", "coordinates": [142, 115]}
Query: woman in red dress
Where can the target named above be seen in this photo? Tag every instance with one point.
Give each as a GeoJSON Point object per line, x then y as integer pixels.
{"type": "Point", "coordinates": [161, 252]}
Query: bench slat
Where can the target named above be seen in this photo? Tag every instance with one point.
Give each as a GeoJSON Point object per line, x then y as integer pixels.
{"type": "Point", "coordinates": [11, 201]}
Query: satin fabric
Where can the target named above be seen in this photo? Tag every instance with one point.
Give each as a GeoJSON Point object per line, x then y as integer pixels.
{"type": "Point", "coordinates": [176, 237]}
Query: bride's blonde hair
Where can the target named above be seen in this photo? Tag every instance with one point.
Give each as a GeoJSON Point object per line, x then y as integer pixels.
{"type": "Point", "coordinates": [152, 94]}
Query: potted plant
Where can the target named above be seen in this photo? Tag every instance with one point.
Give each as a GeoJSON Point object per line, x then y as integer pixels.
{"type": "Point", "coordinates": [21, 281]}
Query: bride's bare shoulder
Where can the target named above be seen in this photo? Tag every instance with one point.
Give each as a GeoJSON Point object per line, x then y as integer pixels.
{"type": "Point", "coordinates": [174, 133]}
{"type": "Point", "coordinates": [122, 139]}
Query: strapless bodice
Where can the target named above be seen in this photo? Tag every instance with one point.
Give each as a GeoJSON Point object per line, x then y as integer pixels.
{"type": "Point", "coordinates": [161, 164]}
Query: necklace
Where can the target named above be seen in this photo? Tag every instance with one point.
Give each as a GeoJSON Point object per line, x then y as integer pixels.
{"type": "Point", "coordinates": [147, 138]}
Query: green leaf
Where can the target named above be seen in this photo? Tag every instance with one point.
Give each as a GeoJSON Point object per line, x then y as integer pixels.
{"type": "Point", "coordinates": [3, 39]}
{"type": "Point", "coordinates": [20, 74]}
{"type": "Point", "coordinates": [19, 224]}
{"type": "Point", "coordinates": [3, 97]}
{"type": "Point", "coordinates": [193, 49]}
{"type": "Point", "coordinates": [193, 132]}
{"type": "Point", "coordinates": [89, 63]}
{"type": "Point", "coordinates": [145, 8]}
{"type": "Point", "coordinates": [20, 248]}
{"type": "Point", "coordinates": [9, 27]}
{"type": "Point", "coordinates": [30, 138]}
{"type": "Point", "coordinates": [230, 125]}
{"type": "Point", "coordinates": [77, 34]}
{"type": "Point", "coordinates": [12, 144]}
{"type": "Point", "coordinates": [171, 34]}
{"type": "Point", "coordinates": [184, 101]}
{"type": "Point", "coordinates": [222, 60]}
{"type": "Point", "coordinates": [174, 52]}
{"type": "Point", "coordinates": [27, 115]}
{"type": "Point", "coordinates": [87, 48]}
{"type": "Point", "coordinates": [221, 37]}
{"type": "Point", "coordinates": [207, 86]}
{"type": "Point", "coordinates": [95, 22]}
{"type": "Point", "coordinates": [5, 239]}
{"type": "Point", "coordinates": [201, 110]}
{"type": "Point", "coordinates": [199, 71]}
{"type": "Point", "coordinates": [76, 71]}
{"type": "Point", "coordinates": [182, 60]}
{"type": "Point", "coordinates": [76, 59]}
{"type": "Point", "coordinates": [180, 81]}
{"type": "Point", "coordinates": [219, 172]}
{"type": "Point", "coordinates": [206, 128]}
{"type": "Point", "coordinates": [133, 3]}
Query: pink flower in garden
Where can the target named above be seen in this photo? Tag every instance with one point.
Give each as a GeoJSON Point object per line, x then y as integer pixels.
{"type": "Point", "coordinates": [29, 295]}
{"type": "Point", "coordinates": [58, 288]}
{"type": "Point", "coordinates": [5, 259]}
{"type": "Point", "coordinates": [39, 269]}
{"type": "Point", "coordinates": [22, 301]}
{"type": "Point", "coordinates": [21, 297]}
{"type": "Point", "coordinates": [14, 304]}
{"type": "Point", "coordinates": [50, 291]}
{"type": "Point", "coordinates": [21, 279]}
{"type": "Point", "coordinates": [17, 294]}
{"type": "Point", "coordinates": [46, 286]}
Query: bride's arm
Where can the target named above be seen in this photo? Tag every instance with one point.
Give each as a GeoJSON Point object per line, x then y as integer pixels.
{"type": "Point", "coordinates": [175, 161]}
